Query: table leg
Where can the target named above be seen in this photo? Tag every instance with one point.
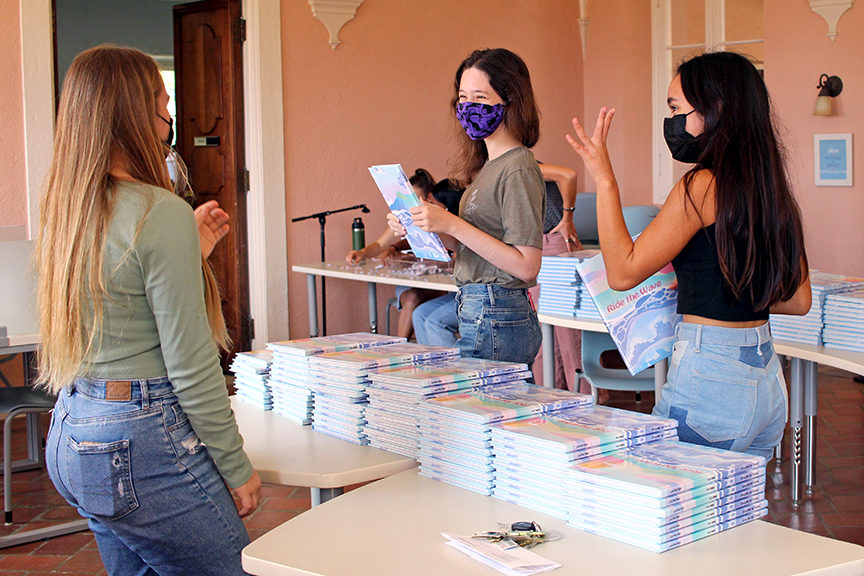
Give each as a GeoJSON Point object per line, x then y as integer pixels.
{"type": "Point", "coordinates": [549, 356]}
{"type": "Point", "coordinates": [321, 495]}
{"type": "Point", "coordinates": [661, 370]}
{"type": "Point", "coordinates": [373, 307]}
{"type": "Point", "coordinates": [796, 421]}
{"type": "Point", "coordinates": [312, 296]}
{"type": "Point", "coordinates": [811, 383]}
{"type": "Point", "coordinates": [778, 450]}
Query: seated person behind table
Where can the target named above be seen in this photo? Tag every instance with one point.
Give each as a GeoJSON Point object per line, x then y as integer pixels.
{"type": "Point", "coordinates": [435, 321]}
{"type": "Point", "coordinates": [407, 299]}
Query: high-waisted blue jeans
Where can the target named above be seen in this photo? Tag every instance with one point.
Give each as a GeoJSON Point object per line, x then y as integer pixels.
{"type": "Point", "coordinates": [726, 388]}
{"type": "Point", "coordinates": [125, 455]}
{"type": "Point", "coordinates": [497, 323]}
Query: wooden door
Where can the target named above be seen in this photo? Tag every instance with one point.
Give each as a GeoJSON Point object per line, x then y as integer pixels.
{"type": "Point", "coordinates": [208, 37]}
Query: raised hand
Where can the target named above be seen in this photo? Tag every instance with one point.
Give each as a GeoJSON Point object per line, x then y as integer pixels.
{"type": "Point", "coordinates": [593, 150]}
{"type": "Point", "coordinates": [212, 225]}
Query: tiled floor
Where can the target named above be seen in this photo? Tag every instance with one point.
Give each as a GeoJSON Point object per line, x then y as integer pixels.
{"type": "Point", "coordinates": [836, 509]}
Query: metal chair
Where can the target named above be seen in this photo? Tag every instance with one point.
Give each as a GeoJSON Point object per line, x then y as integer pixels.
{"type": "Point", "coordinates": [14, 402]}
{"type": "Point", "coordinates": [391, 303]}
{"type": "Point", "coordinates": [602, 377]}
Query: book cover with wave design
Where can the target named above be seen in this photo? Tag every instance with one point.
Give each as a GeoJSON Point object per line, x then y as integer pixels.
{"type": "Point", "coordinates": [576, 429]}
{"type": "Point", "coordinates": [504, 402]}
{"type": "Point", "coordinates": [641, 320]}
{"type": "Point", "coordinates": [335, 343]}
{"type": "Point", "coordinates": [401, 197]}
{"type": "Point", "coordinates": [661, 469]}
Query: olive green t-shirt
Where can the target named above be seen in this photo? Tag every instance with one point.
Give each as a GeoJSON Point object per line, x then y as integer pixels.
{"type": "Point", "coordinates": [155, 321]}
{"type": "Point", "coordinates": [507, 200]}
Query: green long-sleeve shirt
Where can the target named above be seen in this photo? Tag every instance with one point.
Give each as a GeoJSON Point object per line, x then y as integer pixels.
{"type": "Point", "coordinates": [155, 322]}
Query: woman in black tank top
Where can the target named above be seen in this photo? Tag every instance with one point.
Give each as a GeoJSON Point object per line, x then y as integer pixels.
{"type": "Point", "coordinates": [732, 229]}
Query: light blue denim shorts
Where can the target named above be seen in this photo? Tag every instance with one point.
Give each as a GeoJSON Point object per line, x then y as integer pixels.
{"type": "Point", "coordinates": [497, 323]}
{"type": "Point", "coordinates": [125, 455]}
{"type": "Point", "coordinates": [726, 388]}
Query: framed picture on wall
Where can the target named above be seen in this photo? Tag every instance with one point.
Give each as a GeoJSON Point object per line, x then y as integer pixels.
{"type": "Point", "coordinates": [833, 156]}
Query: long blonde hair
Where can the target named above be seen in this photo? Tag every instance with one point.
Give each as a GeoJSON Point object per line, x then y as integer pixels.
{"type": "Point", "coordinates": [107, 112]}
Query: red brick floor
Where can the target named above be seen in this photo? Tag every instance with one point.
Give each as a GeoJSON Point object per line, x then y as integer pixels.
{"type": "Point", "coordinates": [836, 509]}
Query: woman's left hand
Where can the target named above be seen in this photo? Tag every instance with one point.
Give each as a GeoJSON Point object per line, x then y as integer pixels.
{"type": "Point", "coordinates": [593, 150]}
{"type": "Point", "coordinates": [568, 232]}
{"type": "Point", "coordinates": [212, 225]}
{"type": "Point", "coordinates": [249, 495]}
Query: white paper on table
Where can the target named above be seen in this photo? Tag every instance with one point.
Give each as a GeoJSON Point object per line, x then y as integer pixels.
{"type": "Point", "coordinates": [516, 561]}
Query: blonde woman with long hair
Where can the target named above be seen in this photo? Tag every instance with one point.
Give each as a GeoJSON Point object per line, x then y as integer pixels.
{"type": "Point", "coordinates": [143, 441]}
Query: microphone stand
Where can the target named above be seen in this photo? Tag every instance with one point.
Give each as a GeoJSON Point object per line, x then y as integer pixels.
{"type": "Point", "coordinates": [322, 220]}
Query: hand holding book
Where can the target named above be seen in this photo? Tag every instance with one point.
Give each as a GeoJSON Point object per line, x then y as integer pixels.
{"type": "Point", "coordinates": [404, 203]}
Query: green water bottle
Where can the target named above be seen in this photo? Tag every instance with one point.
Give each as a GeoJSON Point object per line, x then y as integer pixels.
{"type": "Point", "coordinates": [358, 234]}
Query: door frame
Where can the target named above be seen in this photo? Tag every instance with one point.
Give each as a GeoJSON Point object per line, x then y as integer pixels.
{"type": "Point", "coordinates": [266, 216]}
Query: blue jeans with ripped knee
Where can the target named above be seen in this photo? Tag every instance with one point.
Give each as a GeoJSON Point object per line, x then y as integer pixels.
{"type": "Point", "coordinates": [134, 467]}
{"type": "Point", "coordinates": [726, 388]}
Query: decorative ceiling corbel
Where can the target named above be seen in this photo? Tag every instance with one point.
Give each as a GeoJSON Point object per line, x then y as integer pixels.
{"type": "Point", "coordinates": [831, 11]}
{"type": "Point", "coordinates": [334, 14]}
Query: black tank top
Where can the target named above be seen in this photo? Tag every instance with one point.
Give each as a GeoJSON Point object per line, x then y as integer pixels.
{"type": "Point", "coordinates": [702, 290]}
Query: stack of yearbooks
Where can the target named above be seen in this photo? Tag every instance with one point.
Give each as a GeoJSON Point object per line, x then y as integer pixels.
{"type": "Point", "coordinates": [394, 394]}
{"type": "Point", "coordinates": [562, 291]}
{"type": "Point", "coordinates": [251, 372]}
{"type": "Point", "coordinates": [807, 329]}
{"type": "Point", "coordinates": [532, 456]}
{"type": "Point", "coordinates": [663, 495]}
{"type": "Point", "coordinates": [289, 372]}
{"type": "Point", "coordinates": [455, 442]}
{"type": "Point", "coordinates": [339, 381]}
{"type": "Point", "coordinates": [843, 316]}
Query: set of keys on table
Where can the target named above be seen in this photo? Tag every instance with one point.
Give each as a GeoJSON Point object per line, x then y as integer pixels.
{"type": "Point", "coordinates": [525, 534]}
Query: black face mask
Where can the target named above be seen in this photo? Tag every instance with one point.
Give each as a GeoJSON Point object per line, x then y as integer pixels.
{"type": "Point", "coordinates": [683, 145]}
{"type": "Point", "coordinates": [170, 140]}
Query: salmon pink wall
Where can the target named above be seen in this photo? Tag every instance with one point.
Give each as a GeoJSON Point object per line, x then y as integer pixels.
{"type": "Point", "coordinates": [13, 195]}
{"type": "Point", "coordinates": [797, 52]}
{"type": "Point", "coordinates": [618, 75]}
{"type": "Point", "coordinates": [382, 97]}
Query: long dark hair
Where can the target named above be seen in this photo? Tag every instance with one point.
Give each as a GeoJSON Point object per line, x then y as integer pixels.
{"type": "Point", "coordinates": [760, 241]}
{"type": "Point", "coordinates": [510, 79]}
{"type": "Point", "coordinates": [423, 180]}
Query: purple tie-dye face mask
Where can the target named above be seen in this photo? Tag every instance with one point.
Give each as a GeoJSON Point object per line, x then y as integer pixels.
{"type": "Point", "coordinates": [479, 120]}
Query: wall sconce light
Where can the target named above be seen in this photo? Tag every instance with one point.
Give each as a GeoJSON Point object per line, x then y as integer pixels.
{"type": "Point", "coordinates": [829, 87]}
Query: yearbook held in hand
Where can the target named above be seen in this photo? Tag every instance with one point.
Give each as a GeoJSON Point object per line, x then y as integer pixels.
{"type": "Point", "coordinates": [401, 197]}
{"type": "Point", "coordinates": [641, 320]}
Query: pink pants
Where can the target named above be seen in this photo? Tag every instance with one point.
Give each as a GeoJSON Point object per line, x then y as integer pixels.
{"type": "Point", "coordinates": [568, 342]}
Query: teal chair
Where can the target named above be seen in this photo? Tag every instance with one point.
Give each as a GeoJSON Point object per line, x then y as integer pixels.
{"type": "Point", "coordinates": [600, 377]}
{"type": "Point", "coordinates": [585, 219]}
{"type": "Point", "coordinates": [637, 218]}
{"type": "Point", "coordinates": [594, 344]}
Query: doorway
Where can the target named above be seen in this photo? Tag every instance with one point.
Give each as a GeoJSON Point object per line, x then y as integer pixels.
{"type": "Point", "coordinates": [207, 65]}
